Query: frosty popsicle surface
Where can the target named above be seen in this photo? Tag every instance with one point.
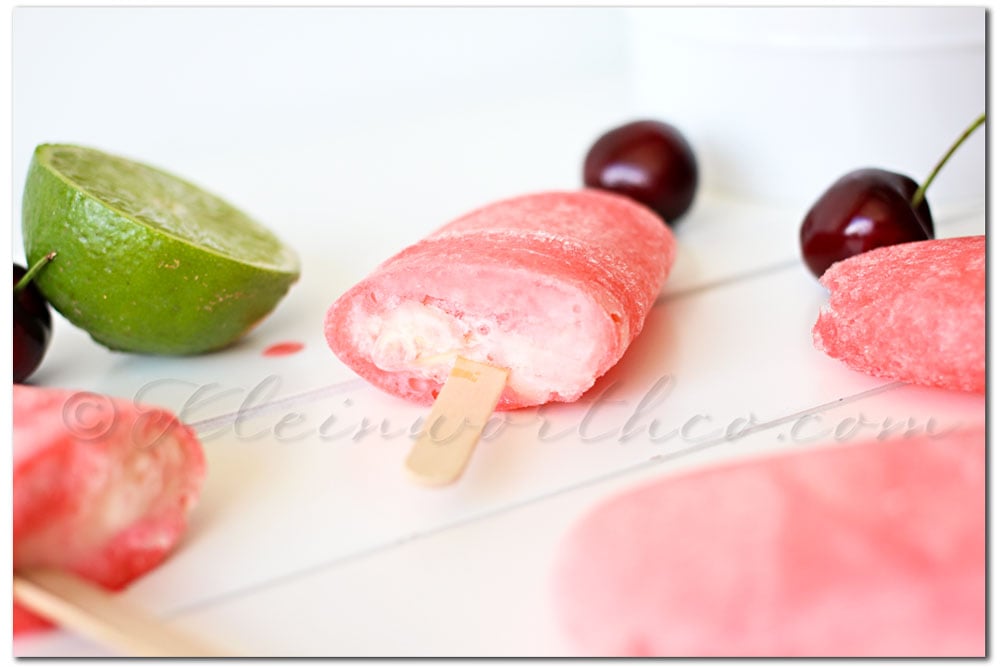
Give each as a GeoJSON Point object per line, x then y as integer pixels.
{"type": "Point", "coordinates": [868, 549]}
{"type": "Point", "coordinates": [914, 312]}
{"type": "Point", "coordinates": [552, 286]}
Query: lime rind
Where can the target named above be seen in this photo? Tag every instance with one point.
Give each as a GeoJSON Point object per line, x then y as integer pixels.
{"type": "Point", "coordinates": [168, 204]}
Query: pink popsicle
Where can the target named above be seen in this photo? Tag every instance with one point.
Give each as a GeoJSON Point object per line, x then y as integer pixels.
{"type": "Point", "coordinates": [875, 549]}
{"type": "Point", "coordinates": [102, 486]}
{"type": "Point", "coordinates": [914, 312]}
{"type": "Point", "coordinates": [552, 286]}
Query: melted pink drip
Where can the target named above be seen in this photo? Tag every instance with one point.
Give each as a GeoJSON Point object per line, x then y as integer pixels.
{"type": "Point", "coordinates": [283, 349]}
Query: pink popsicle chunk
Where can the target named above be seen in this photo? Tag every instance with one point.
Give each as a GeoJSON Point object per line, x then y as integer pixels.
{"type": "Point", "coordinates": [914, 312]}
{"type": "Point", "coordinates": [102, 486]}
{"type": "Point", "coordinates": [552, 286]}
{"type": "Point", "coordinates": [865, 550]}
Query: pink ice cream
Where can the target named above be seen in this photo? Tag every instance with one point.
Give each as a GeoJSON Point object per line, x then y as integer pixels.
{"type": "Point", "coordinates": [102, 486]}
{"type": "Point", "coordinates": [553, 287]}
{"type": "Point", "coordinates": [914, 312]}
{"type": "Point", "coordinates": [865, 550]}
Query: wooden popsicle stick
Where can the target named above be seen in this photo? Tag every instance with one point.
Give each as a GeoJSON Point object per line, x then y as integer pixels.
{"type": "Point", "coordinates": [456, 421]}
{"type": "Point", "coordinates": [81, 607]}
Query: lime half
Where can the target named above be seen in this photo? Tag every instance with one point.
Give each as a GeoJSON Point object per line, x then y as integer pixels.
{"type": "Point", "coordinates": [147, 262]}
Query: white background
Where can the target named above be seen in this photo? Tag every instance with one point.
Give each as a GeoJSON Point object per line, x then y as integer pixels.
{"type": "Point", "coordinates": [328, 114]}
{"type": "Point", "coordinates": [354, 132]}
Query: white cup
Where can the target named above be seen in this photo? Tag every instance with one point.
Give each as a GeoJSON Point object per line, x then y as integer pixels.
{"type": "Point", "coordinates": [780, 102]}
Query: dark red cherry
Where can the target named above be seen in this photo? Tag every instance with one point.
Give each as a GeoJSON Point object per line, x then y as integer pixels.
{"type": "Point", "coordinates": [865, 209]}
{"type": "Point", "coordinates": [909, 187]}
{"type": "Point", "coordinates": [648, 161]}
{"type": "Point", "coordinates": [32, 327]}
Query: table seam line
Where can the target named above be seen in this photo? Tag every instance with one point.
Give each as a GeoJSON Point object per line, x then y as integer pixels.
{"type": "Point", "coordinates": [658, 459]}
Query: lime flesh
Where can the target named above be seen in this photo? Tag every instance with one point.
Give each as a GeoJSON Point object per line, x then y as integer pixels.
{"type": "Point", "coordinates": [147, 262]}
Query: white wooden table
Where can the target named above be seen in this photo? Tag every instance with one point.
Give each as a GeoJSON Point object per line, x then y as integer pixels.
{"type": "Point", "coordinates": [309, 539]}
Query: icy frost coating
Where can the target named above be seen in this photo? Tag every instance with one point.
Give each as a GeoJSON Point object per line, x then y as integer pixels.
{"type": "Point", "coordinates": [914, 312]}
{"type": "Point", "coordinates": [875, 549]}
{"type": "Point", "coordinates": [552, 286]}
{"type": "Point", "coordinates": [102, 486]}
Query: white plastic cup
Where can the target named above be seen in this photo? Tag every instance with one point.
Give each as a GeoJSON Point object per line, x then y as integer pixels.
{"type": "Point", "coordinates": [780, 102]}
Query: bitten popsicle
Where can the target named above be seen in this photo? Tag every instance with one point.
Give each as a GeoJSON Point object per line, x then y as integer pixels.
{"type": "Point", "coordinates": [102, 486]}
{"type": "Point", "coordinates": [552, 287]}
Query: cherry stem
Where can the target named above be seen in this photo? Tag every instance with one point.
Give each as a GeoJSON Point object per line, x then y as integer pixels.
{"type": "Point", "coordinates": [918, 196]}
{"type": "Point", "coordinates": [33, 271]}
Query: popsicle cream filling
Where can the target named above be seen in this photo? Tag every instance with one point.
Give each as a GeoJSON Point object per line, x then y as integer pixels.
{"type": "Point", "coordinates": [545, 361]}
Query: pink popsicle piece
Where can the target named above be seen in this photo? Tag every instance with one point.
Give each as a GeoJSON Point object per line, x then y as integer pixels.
{"type": "Point", "coordinates": [552, 286]}
{"type": "Point", "coordinates": [914, 312]}
{"type": "Point", "coordinates": [875, 549]}
{"type": "Point", "coordinates": [102, 486]}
